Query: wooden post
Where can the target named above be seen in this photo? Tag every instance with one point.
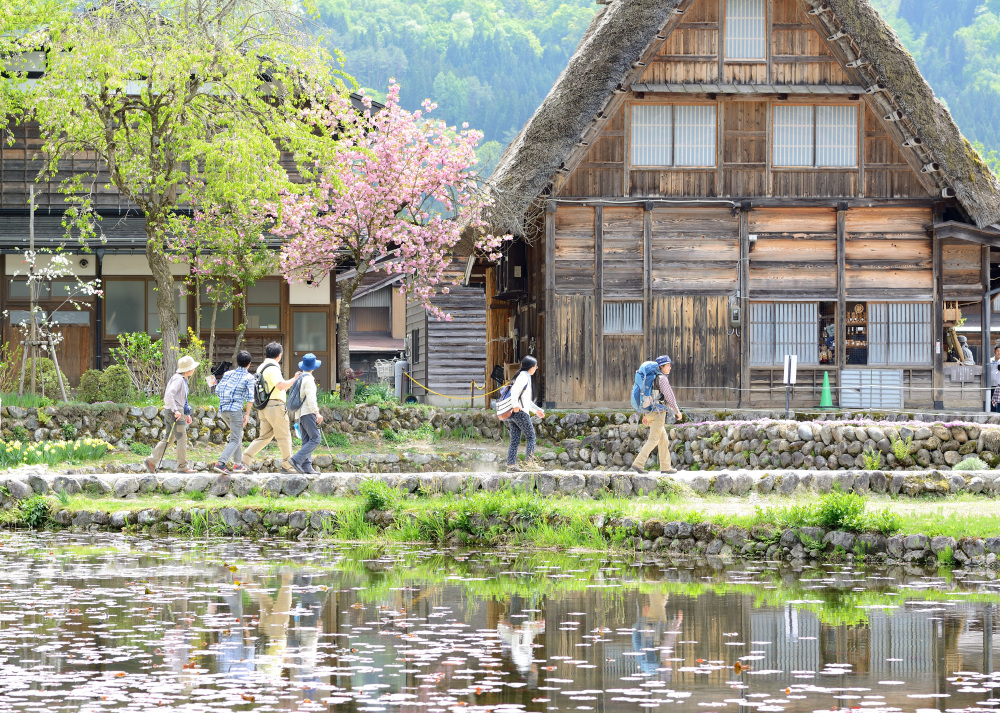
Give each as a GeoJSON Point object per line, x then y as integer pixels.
{"type": "Point", "coordinates": [841, 321]}
{"type": "Point", "coordinates": [31, 286]}
{"type": "Point", "coordinates": [986, 316]}
{"type": "Point", "coordinates": [550, 372]}
{"type": "Point", "coordinates": [647, 281]}
{"type": "Point", "coordinates": [743, 283]}
{"type": "Point", "coordinates": [55, 360]}
{"type": "Point", "coordinates": [598, 363]}
{"type": "Point", "coordinates": [938, 334]}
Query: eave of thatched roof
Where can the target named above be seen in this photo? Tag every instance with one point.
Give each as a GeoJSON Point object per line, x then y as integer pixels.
{"type": "Point", "coordinates": [624, 31]}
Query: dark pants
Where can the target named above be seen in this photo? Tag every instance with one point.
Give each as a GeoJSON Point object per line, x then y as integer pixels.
{"type": "Point", "coordinates": [520, 423]}
{"type": "Point", "coordinates": [310, 440]}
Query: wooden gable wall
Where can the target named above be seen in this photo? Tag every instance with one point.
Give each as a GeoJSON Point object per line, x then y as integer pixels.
{"type": "Point", "coordinates": [797, 55]}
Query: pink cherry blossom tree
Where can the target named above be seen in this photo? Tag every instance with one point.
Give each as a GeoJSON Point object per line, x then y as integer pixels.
{"type": "Point", "coordinates": [395, 197]}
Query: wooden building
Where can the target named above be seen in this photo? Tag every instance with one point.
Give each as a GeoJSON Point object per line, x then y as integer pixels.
{"type": "Point", "coordinates": [730, 181]}
{"type": "Point", "coordinates": [447, 357]}
{"type": "Point", "coordinates": [301, 317]}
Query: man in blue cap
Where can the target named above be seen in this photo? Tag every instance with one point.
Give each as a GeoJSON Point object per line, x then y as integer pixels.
{"type": "Point", "coordinates": [657, 421]}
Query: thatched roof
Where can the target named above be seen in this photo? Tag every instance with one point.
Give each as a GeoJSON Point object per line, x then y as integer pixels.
{"type": "Point", "coordinates": [625, 30]}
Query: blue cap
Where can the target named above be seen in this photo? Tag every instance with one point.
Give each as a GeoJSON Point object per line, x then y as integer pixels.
{"type": "Point", "coordinates": [663, 359]}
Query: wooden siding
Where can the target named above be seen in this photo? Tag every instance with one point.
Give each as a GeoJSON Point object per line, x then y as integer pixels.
{"type": "Point", "coordinates": [602, 170]}
{"type": "Point", "coordinates": [694, 331]}
{"type": "Point", "coordinates": [570, 380]}
{"type": "Point", "coordinates": [691, 52]}
{"type": "Point", "coordinates": [416, 319]}
{"type": "Point", "coordinates": [454, 349]}
{"type": "Point", "coordinates": [888, 254]}
{"type": "Point", "coordinates": [694, 250]}
{"type": "Point", "coordinates": [767, 390]}
{"type": "Point", "coordinates": [795, 255]}
{"type": "Point", "coordinates": [622, 248]}
{"type": "Point", "coordinates": [799, 55]}
{"type": "Point", "coordinates": [574, 249]}
{"type": "Point", "coordinates": [961, 270]}
{"type": "Point", "coordinates": [744, 149]}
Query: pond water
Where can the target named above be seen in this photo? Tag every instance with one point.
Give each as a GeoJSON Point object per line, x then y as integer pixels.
{"type": "Point", "coordinates": [120, 623]}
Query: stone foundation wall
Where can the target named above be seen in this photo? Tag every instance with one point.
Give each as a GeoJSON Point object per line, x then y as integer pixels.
{"type": "Point", "coordinates": [581, 441]}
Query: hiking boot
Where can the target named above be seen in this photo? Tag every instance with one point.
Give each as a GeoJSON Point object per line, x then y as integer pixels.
{"type": "Point", "coordinates": [637, 469]}
{"type": "Point", "coordinates": [288, 471]}
{"type": "Point", "coordinates": [220, 467]}
{"type": "Point", "coordinates": [150, 465]}
{"type": "Point", "coordinates": [298, 468]}
{"type": "Point", "coordinates": [239, 468]}
{"type": "Point", "coordinates": [514, 468]}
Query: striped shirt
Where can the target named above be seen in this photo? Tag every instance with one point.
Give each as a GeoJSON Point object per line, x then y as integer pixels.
{"type": "Point", "coordinates": [235, 389]}
{"type": "Point", "coordinates": [667, 392]}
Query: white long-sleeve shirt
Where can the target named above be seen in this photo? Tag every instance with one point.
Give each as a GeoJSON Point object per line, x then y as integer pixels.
{"type": "Point", "coordinates": [520, 391]}
{"type": "Point", "coordinates": [308, 391]}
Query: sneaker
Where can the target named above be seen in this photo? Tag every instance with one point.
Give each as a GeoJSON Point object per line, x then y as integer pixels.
{"type": "Point", "coordinates": [220, 467]}
{"type": "Point", "coordinates": [239, 468]}
{"type": "Point", "coordinates": [288, 471]}
{"type": "Point", "coordinates": [150, 465]}
{"type": "Point", "coordinates": [668, 471]}
{"type": "Point", "coordinates": [298, 468]}
{"type": "Point", "coordinates": [514, 468]}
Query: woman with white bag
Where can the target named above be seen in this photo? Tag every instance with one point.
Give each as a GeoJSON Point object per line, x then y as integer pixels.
{"type": "Point", "coordinates": [519, 422]}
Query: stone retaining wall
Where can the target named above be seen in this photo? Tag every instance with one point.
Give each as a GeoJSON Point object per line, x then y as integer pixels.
{"type": "Point", "coordinates": [17, 485]}
{"type": "Point", "coordinates": [576, 440]}
{"type": "Point", "coordinates": [653, 536]}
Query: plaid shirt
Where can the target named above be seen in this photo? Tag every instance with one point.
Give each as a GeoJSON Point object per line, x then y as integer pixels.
{"type": "Point", "coordinates": [235, 389]}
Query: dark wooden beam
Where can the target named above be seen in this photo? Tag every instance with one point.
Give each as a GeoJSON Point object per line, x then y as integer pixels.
{"type": "Point", "coordinates": [550, 375]}
{"type": "Point", "coordinates": [964, 231]}
{"type": "Point", "coordinates": [759, 202]}
{"type": "Point", "coordinates": [647, 278]}
{"type": "Point", "coordinates": [598, 321]}
{"type": "Point", "coordinates": [743, 271]}
{"type": "Point", "coordinates": [938, 326]}
{"type": "Point", "coordinates": [985, 318]}
{"type": "Point", "coordinates": [841, 321]}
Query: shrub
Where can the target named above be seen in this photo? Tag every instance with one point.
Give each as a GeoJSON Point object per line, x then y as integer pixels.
{"type": "Point", "coordinates": [45, 377]}
{"type": "Point", "coordinates": [10, 365]}
{"type": "Point", "coordinates": [68, 431]}
{"type": "Point", "coordinates": [841, 511]}
{"type": "Point", "coordinates": [374, 394]}
{"type": "Point", "coordinates": [140, 449]}
{"type": "Point", "coordinates": [35, 511]}
{"type": "Point", "coordinates": [377, 495]}
{"type": "Point", "coordinates": [391, 436]}
{"type": "Point", "coordinates": [116, 384]}
{"type": "Point", "coordinates": [336, 440]}
{"type": "Point", "coordinates": [90, 386]}
{"type": "Point", "coordinates": [142, 356]}
{"type": "Point", "coordinates": [196, 350]}
{"type": "Point", "coordinates": [971, 463]}
{"type": "Point", "coordinates": [901, 448]}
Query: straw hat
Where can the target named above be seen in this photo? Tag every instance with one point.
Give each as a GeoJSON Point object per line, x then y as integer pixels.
{"type": "Point", "coordinates": [186, 363]}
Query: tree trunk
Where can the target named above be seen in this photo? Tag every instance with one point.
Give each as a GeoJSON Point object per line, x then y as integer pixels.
{"type": "Point", "coordinates": [160, 266]}
{"type": "Point", "coordinates": [344, 338]}
{"type": "Point", "coordinates": [197, 305]}
{"type": "Point", "coordinates": [211, 336]}
{"type": "Point", "coordinates": [243, 323]}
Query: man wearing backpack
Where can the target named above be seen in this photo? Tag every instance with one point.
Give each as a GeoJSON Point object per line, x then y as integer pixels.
{"type": "Point", "coordinates": [662, 398]}
{"type": "Point", "coordinates": [273, 420]}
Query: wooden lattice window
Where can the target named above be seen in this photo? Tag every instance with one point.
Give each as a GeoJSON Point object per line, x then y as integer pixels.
{"type": "Point", "coordinates": [623, 317]}
{"type": "Point", "coordinates": [746, 37]}
{"type": "Point", "coordinates": [780, 328]}
{"type": "Point", "coordinates": [899, 333]}
{"type": "Point", "coordinates": [815, 136]}
{"type": "Point", "coordinates": [673, 135]}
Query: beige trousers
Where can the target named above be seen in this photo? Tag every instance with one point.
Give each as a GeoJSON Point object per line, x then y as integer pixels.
{"type": "Point", "coordinates": [273, 425]}
{"type": "Point", "coordinates": [657, 439]}
{"type": "Point", "coordinates": [179, 436]}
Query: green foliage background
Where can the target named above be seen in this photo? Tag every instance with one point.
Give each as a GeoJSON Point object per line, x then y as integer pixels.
{"type": "Point", "coordinates": [491, 62]}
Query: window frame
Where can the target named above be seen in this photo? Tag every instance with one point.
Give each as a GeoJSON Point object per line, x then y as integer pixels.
{"type": "Point", "coordinates": [916, 322]}
{"type": "Point", "coordinates": [281, 313]}
{"type": "Point", "coordinates": [50, 297]}
{"type": "Point", "coordinates": [145, 311]}
{"type": "Point", "coordinates": [776, 360]}
{"type": "Point", "coordinates": [673, 166]}
{"type": "Point", "coordinates": [724, 31]}
{"type": "Point", "coordinates": [815, 147]}
{"type": "Point", "coordinates": [623, 332]}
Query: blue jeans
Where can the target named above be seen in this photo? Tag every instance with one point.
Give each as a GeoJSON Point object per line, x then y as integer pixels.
{"type": "Point", "coordinates": [310, 440]}
{"type": "Point", "coordinates": [234, 448]}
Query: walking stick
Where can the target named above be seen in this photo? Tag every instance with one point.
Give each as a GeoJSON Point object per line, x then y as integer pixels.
{"type": "Point", "coordinates": [172, 427]}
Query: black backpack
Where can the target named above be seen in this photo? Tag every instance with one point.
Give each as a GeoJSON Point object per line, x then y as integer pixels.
{"type": "Point", "coordinates": [261, 394]}
{"type": "Point", "coordinates": [293, 399]}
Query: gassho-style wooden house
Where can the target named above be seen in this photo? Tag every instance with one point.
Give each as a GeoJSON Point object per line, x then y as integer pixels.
{"type": "Point", "coordinates": [731, 181]}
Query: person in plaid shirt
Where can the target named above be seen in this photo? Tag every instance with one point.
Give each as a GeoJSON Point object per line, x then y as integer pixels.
{"type": "Point", "coordinates": [235, 392]}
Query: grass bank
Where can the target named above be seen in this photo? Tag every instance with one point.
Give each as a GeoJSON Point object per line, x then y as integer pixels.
{"type": "Point", "coordinates": [382, 514]}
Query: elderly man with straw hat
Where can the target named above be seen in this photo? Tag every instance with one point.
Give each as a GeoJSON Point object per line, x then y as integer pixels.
{"type": "Point", "coordinates": [175, 398]}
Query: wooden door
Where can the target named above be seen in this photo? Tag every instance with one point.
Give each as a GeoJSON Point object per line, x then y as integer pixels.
{"type": "Point", "coordinates": [74, 351]}
{"type": "Point", "coordinates": [312, 332]}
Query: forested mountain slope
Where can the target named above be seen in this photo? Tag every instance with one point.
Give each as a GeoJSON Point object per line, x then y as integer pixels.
{"type": "Point", "coordinates": [491, 62]}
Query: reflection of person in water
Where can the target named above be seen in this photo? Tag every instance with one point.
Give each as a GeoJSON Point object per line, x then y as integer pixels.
{"type": "Point", "coordinates": [236, 656]}
{"type": "Point", "coordinates": [303, 636]}
{"type": "Point", "coordinates": [518, 640]}
{"type": "Point", "coordinates": [654, 636]}
{"type": "Point", "coordinates": [274, 626]}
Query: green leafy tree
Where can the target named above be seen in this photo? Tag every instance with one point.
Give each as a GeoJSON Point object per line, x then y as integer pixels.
{"type": "Point", "coordinates": [175, 98]}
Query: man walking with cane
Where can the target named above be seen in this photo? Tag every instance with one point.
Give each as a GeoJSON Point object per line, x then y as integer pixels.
{"type": "Point", "coordinates": [175, 399]}
{"type": "Point", "coordinates": [657, 421]}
